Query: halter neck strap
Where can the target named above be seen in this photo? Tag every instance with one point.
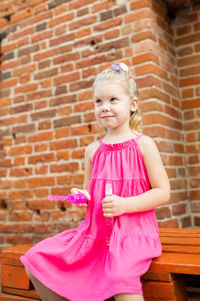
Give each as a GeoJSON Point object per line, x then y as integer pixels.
{"type": "Point", "coordinates": [138, 137]}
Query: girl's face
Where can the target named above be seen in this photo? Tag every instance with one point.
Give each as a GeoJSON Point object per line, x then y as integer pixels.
{"type": "Point", "coordinates": [112, 105]}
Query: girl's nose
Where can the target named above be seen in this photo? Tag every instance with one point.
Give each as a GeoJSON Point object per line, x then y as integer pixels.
{"type": "Point", "coordinates": [106, 106]}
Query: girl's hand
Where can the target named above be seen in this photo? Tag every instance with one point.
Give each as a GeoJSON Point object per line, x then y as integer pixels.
{"type": "Point", "coordinates": [113, 206]}
{"type": "Point", "coordinates": [86, 194]}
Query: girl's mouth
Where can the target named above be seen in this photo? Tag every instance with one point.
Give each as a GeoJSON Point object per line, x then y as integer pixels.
{"type": "Point", "coordinates": [107, 116]}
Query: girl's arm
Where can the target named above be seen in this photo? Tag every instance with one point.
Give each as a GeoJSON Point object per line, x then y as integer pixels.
{"type": "Point", "coordinates": [159, 193]}
{"type": "Point", "coordinates": [88, 166]}
{"type": "Point", "coordinates": [90, 149]}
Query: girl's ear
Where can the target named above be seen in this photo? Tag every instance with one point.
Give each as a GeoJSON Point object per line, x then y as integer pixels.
{"type": "Point", "coordinates": [134, 104]}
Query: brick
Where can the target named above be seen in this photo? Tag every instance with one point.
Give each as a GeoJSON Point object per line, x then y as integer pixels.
{"type": "Point", "coordinates": [41, 205]}
{"type": "Point", "coordinates": [103, 5]}
{"type": "Point", "coordinates": [195, 80]}
{"type": "Point", "coordinates": [62, 155]}
{"type": "Point", "coordinates": [185, 51]}
{"type": "Point", "coordinates": [43, 158]}
{"type": "Point", "coordinates": [21, 108]}
{"type": "Point", "coordinates": [45, 136]}
{"type": "Point", "coordinates": [8, 83]}
{"type": "Point", "coordinates": [68, 167]}
{"type": "Point", "coordinates": [190, 71]}
{"type": "Point", "coordinates": [140, 4]}
{"type": "Point", "coordinates": [83, 32]}
{"type": "Point", "coordinates": [179, 209]}
{"type": "Point", "coordinates": [20, 150]}
{"type": "Point", "coordinates": [163, 212]}
{"type": "Point", "coordinates": [26, 88]}
{"type": "Point", "coordinates": [82, 107]}
{"type": "Point", "coordinates": [60, 30]}
{"type": "Point", "coordinates": [65, 111]}
{"type": "Point", "coordinates": [41, 181]}
{"type": "Point", "coordinates": [82, 22]}
{"type": "Point", "coordinates": [69, 120]}
{"type": "Point", "coordinates": [21, 15]}
{"type": "Point", "coordinates": [81, 130]}
{"type": "Point", "coordinates": [108, 24]}
{"type": "Point", "coordinates": [66, 58]}
{"type": "Point", "coordinates": [48, 73]}
{"type": "Point", "coordinates": [150, 68]}
{"type": "Point", "coordinates": [63, 180]}
{"type": "Point", "coordinates": [148, 81]}
{"type": "Point", "coordinates": [60, 40]}
{"type": "Point", "coordinates": [187, 93]}
{"type": "Point", "coordinates": [142, 58]}
{"type": "Point", "coordinates": [197, 48]}
{"type": "Point", "coordinates": [135, 16]}
{"type": "Point", "coordinates": [21, 172]}
{"type": "Point", "coordinates": [61, 9]}
{"type": "Point", "coordinates": [43, 55]}
{"type": "Point", "coordinates": [63, 100]}
{"type": "Point", "coordinates": [21, 216]}
{"type": "Point", "coordinates": [80, 85]}
{"type": "Point", "coordinates": [121, 43]}
{"type": "Point", "coordinates": [66, 78]}
{"type": "Point", "coordinates": [45, 114]}
{"type": "Point", "coordinates": [63, 144]}
{"type": "Point", "coordinates": [43, 16]}
{"type": "Point", "coordinates": [143, 36]}
{"type": "Point", "coordinates": [39, 94]}
{"type": "Point", "coordinates": [172, 223]}
{"type": "Point", "coordinates": [77, 4]}
{"type": "Point", "coordinates": [5, 102]}
{"type": "Point", "coordinates": [184, 30]}
{"type": "Point", "coordinates": [44, 125]}
{"type": "Point", "coordinates": [61, 19]}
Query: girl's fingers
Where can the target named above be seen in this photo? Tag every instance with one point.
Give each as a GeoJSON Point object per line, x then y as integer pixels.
{"type": "Point", "coordinates": [84, 192]}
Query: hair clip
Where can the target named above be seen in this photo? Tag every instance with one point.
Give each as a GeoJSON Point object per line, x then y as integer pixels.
{"type": "Point", "coordinates": [131, 75]}
{"type": "Point", "coordinates": [120, 67]}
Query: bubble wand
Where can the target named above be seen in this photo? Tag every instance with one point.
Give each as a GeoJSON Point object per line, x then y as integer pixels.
{"type": "Point", "coordinates": [72, 198]}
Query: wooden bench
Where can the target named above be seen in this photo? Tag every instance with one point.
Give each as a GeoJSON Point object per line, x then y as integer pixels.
{"type": "Point", "coordinates": [166, 280]}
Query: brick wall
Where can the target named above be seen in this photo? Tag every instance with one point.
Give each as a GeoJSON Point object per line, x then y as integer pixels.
{"type": "Point", "coordinates": [187, 42]}
{"type": "Point", "coordinates": [51, 54]}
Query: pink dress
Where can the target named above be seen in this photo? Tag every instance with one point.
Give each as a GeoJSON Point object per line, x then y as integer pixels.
{"type": "Point", "coordinates": [78, 264]}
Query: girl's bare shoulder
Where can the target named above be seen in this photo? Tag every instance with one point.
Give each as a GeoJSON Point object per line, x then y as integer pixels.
{"type": "Point", "coordinates": [91, 149]}
{"type": "Point", "coordinates": [146, 144]}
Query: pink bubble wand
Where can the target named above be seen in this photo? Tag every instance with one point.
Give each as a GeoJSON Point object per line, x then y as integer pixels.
{"type": "Point", "coordinates": [72, 198]}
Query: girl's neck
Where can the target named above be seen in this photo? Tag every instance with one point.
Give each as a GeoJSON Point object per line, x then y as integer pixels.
{"type": "Point", "coordinates": [117, 137]}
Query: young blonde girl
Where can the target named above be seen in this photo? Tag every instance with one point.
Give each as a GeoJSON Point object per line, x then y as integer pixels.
{"type": "Point", "coordinates": [107, 254]}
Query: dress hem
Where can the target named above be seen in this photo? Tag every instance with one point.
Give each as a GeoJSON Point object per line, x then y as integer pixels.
{"type": "Point", "coordinates": [127, 290]}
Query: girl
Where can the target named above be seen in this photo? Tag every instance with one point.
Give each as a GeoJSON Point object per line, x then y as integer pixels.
{"type": "Point", "coordinates": [107, 254]}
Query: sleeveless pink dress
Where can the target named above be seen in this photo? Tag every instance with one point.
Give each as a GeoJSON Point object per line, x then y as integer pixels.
{"type": "Point", "coordinates": [78, 264]}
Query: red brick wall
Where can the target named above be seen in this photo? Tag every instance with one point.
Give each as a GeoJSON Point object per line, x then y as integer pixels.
{"type": "Point", "coordinates": [187, 42]}
{"type": "Point", "coordinates": [51, 54]}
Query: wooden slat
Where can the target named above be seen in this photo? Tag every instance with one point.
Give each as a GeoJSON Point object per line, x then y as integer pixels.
{"type": "Point", "coordinates": [156, 290]}
{"type": "Point", "coordinates": [178, 231]}
{"type": "Point", "coordinates": [181, 249]}
{"type": "Point", "coordinates": [161, 276]}
{"type": "Point", "coordinates": [25, 293]}
{"type": "Point", "coordinates": [177, 263]}
{"type": "Point", "coordinates": [12, 276]}
{"type": "Point", "coordinates": [192, 241]}
{"type": "Point", "coordinates": [8, 297]}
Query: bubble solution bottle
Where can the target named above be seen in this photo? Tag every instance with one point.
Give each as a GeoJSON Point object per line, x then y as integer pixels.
{"type": "Point", "coordinates": [109, 220]}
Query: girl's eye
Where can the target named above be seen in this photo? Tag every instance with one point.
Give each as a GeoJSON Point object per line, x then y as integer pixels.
{"type": "Point", "coordinates": [98, 101]}
{"type": "Point", "coordinates": [113, 99]}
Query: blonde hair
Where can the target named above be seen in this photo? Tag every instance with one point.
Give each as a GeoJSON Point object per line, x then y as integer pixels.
{"type": "Point", "coordinates": [127, 81]}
